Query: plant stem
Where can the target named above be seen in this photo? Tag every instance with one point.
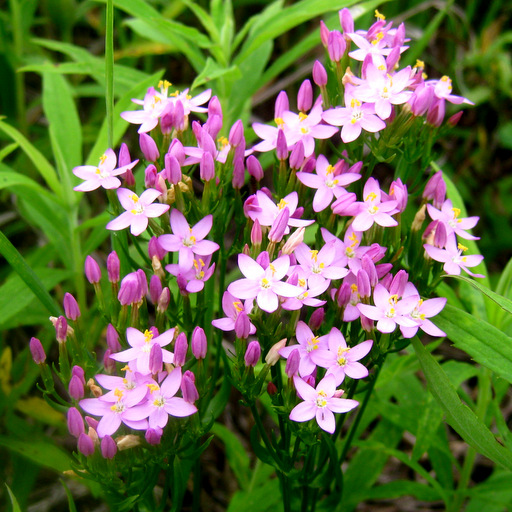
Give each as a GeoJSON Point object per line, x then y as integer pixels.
{"type": "Point", "coordinates": [109, 71]}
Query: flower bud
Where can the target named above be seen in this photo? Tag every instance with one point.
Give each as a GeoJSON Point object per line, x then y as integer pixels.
{"type": "Point", "coordinates": [242, 325]}
{"type": "Point", "coordinates": [368, 266]}
{"type": "Point", "coordinates": [155, 249]}
{"type": "Point", "coordinates": [127, 442]}
{"type": "Point", "coordinates": [292, 363]}
{"type": "Point", "coordinates": [207, 167]}
{"type": "Point", "coordinates": [336, 45]}
{"type": "Point", "coordinates": [113, 265]}
{"type": "Point", "coordinates": [172, 169]}
{"type": "Point", "coordinates": [454, 120]}
{"type": "Point", "coordinates": [440, 236]}
{"type": "Point", "coordinates": [180, 349]}
{"type": "Point", "coordinates": [71, 308]}
{"type": "Point", "coordinates": [155, 288]}
{"type": "Point", "coordinates": [317, 319]}
{"type": "Point", "coordinates": [305, 96]}
{"type": "Point", "coordinates": [163, 301]}
{"type": "Point", "coordinates": [256, 235]}
{"type": "Point", "coordinates": [273, 354]}
{"type": "Point", "coordinates": [92, 270]}
{"type": "Point", "coordinates": [188, 387]}
{"type": "Point", "coordinates": [398, 193]}
{"type": "Point", "coordinates": [85, 445]}
{"type": "Point", "coordinates": [129, 291]}
{"type": "Point", "coordinates": [319, 74]}
{"type": "Point", "coordinates": [252, 354]}
{"type": "Point", "coordinates": [95, 390]}
{"type": "Point", "coordinates": [279, 226]}
{"type": "Point", "coordinates": [236, 134]}
{"type": "Point", "coordinates": [177, 151]}
{"type": "Point", "coordinates": [109, 363]}
{"type": "Point", "coordinates": [108, 447]}
{"type": "Point", "coordinates": [92, 422]}
{"type": "Point", "coordinates": [363, 284]}
{"type": "Point", "coordinates": [214, 107]}
{"type": "Point", "coordinates": [155, 359]}
{"type": "Point", "coordinates": [343, 295]}
{"type": "Point", "coordinates": [263, 259]}
{"type": "Point", "coordinates": [148, 147]}
{"type": "Point", "coordinates": [435, 114]}
{"type": "Point", "coordinates": [294, 240]}
{"type": "Point", "coordinates": [76, 388]}
{"type": "Point", "coordinates": [75, 422]}
{"type": "Point", "coordinates": [113, 339]}
{"type": "Point", "coordinates": [124, 156]}
{"type": "Point", "coordinates": [281, 146]}
{"type": "Point", "coordinates": [143, 283]}
{"type": "Point", "coordinates": [297, 156]}
{"type": "Point", "coordinates": [344, 204]}
{"type": "Point", "coordinates": [281, 105]}
{"type": "Point", "coordinates": [309, 379]}
{"type": "Point", "coordinates": [271, 388]}
{"type": "Point", "coordinates": [238, 173]}
{"type": "Point", "coordinates": [150, 176]}
{"type": "Point", "coordinates": [213, 125]}
{"type": "Point", "coordinates": [254, 167]}
{"type": "Point", "coordinates": [37, 351]}
{"type": "Point", "coordinates": [346, 21]}
{"type": "Point", "coordinates": [167, 119]}
{"type": "Point", "coordinates": [153, 436]}
{"type": "Point", "coordinates": [199, 344]}
{"type": "Point", "coordinates": [61, 329]}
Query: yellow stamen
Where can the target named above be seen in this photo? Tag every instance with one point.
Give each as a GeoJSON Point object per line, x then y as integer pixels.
{"type": "Point", "coordinates": [279, 121]}
{"type": "Point", "coordinates": [238, 306]}
{"type": "Point", "coordinates": [148, 336]}
{"type": "Point", "coordinates": [419, 64]}
{"type": "Point", "coordinates": [461, 247]}
{"type": "Point", "coordinates": [371, 196]}
{"type": "Point", "coordinates": [282, 204]}
{"type": "Point", "coordinates": [379, 16]}
{"type": "Point", "coordinates": [302, 116]}
{"type": "Point", "coordinates": [456, 212]}
{"type": "Point", "coordinates": [102, 159]}
{"type": "Point", "coordinates": [118, 393]}
{"type": "Point", "coordinates": [329, 170]}
{"type": "Point", "coordinates": [314, 255]}
{"type": "Point", "coordinates": [153, 387]}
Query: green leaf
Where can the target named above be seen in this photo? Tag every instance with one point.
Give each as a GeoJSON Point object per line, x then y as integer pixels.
{"type": "Point", "coordinates": [430, 418]}
{"type": "Point", "coordinates": [269, 27]}
{"type": "Point", "coordinates": [44, 167]}
{"type": "Point", "coordinates": [205, 19]}
{"type": "Point", "coordinates": [15, 259]}
{"type": "Point", "coordinates": [212, 71]}
{"type": "Point", "coordinates": [14, 501]}
{"type": "Point", "coordinates": [120, 125]}
{"type": "Point", "coordinates": [71, 501]}
{"type": "Point", "coordinates": [42, 452]}
{"type": "Point", "coordinates": [482, 341]}
{"type": "Point", "coordinates": [235, 453]}
{"type": "Point", "coordinates": [264, 498]}
{"type": "Point", "coordinates": [399, 488]}
{"type": "Point", "coordinates": [458, 415]}
{"type": "Point", "coordinates": [65, 129]}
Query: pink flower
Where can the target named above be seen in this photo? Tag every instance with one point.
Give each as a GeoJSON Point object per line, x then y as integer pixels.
{"type": "Point", "coordinates": [232, 309]}
{"type": "Point", "coordinates": [320, 403]}
{"type": "Point", "coordinates": [450, 217]}
{"type": "Point", "coordinates": [308, 345]}
{"type": "Point", "coordinates": [263, 284]}
{"type": "Point", "coordinates": [341, 360]}
{"type": "Point", "coordinates": [141, 344]}
{"type": "Point", "coordinates": [388, 310]}
{"type": "Point", "coordinates": [452, 257]}
{"type": "Point", "coordinates": [354, 117]}
{"type": "Point", "coordinates": [327, 181]}
{"type": "Point", "coordinates": [188, 241]}
{"type": "Point", "coordinates": [103, 175]}
{"type": "Point", "coordinates": [138, 210]}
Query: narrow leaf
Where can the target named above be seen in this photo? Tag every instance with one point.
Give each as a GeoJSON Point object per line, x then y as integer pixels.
{"type": "Point", "coordinates": [458, 415]}
{"type": "Point", "coordinates": [14, 501]}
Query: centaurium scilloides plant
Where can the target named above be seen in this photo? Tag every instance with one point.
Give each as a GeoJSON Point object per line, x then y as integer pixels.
{"type": "Point", "coordinates": [293, 288]}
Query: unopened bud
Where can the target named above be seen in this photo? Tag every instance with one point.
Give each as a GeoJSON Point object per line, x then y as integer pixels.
{"type": "Point", "coordinates": [127, 442]}
{"type": "Point", "coordinates": [85, 445]}
{"type": "Point", "coordinates": [252, 354]}
{"type": "Point", "coordinates": [180, 349]}
{"type": "Point", "coordinates": [92, 270]}
{"type": "Point", "coordinates": [108, 447]}
{"type": "Point", "coordinates": [37, 351]}
{"type": "Point", "coordinates": [273, 354]}
{"type": "Point", "coordinates": [199, 344]}
{"type": "Point", "coordinates": [95, 390]}
{"type": "Point", "coordinates": [71, 308]}
{"type": "Point", "coordinates": [113, 265]}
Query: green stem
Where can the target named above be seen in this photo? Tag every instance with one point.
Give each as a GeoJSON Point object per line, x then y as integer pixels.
{"type": "Point", "coordinates": [109, 70]}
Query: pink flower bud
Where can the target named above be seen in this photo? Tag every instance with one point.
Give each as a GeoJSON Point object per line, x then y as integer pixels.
{"type": "Point", "coordinates": [252, 354]}
{"type": "Point", "coordinates": [76, 388]}
{"type": "Point", "coordinates": [292, 363]}
{"type": "Point", "coordinates": [279, 225]}
{"type": "Point", "coordinates": [207, 167]}
{"type": "Point", "coordinates": [324, 33]}
{"type": "Point", "coordinates": [342, 205]}
{"type": "Point", "coordinates": [143, 283]}
{"type": "Point", "coordinates": [108, 362]}
{"type": "Point", "coordinates": [92, 422]}
{"type": "Point", "coordinates": [435, 114]}
{"type": "Point", "coordinates": [398, 193]}
{"type": "Point", "coordinates": [113, 339]}
{"type": "Point", "coordinates": [180, 349]}
{"type": "Point", "coordinates": [421, 99]}
{"type": "Point", "coordinates": [399, 38]}
{"type": "Point", "coordinates": [346, 21]}
{"type": "Point", "coordinates": [163, 301]}
{"type": "Point", "coordinates": [319, 74]}
{"type": "Point", "coordinates": [37, 351]}
{"type": "Point", "coordinates": [305, 96]}
{"type": "Point", "coordinates": [61, 329]}
{"type": "Point", "coordinates": [75, 422]}
{"type": "Point", "coordinates": [238, 173]}
{"type": "Point", "coordinates": [153, 435]}
{"type": "Point", "coordinates": [363, 284]}
{"type": "Point", "coordinates": [71, 309]}
{"type": "Point", "coordinates": [383, 269]}
{"type": "Point", "coordinates": [92, 270]}
{"type": "Point", "coordinates": [199, 344]}
{"type": "Point", "coordinates": [214, 107]}
{"type": "Point", "coordinates": [336, 45]}
{"type": "Point", "coordinates": [263, 259]}
{"type": "Point", "coordinates": [148, 147]}
{"type": "Point", "coordinates": [398, 283]}
{"type": "Point", "coordinates": [297, 156]}
{"type": "Point", "coordinates": [294, 240]}
{"type": "Point", "coordinates": [177, 151]}
{"type": "Point", "coordinates": [113, 265]}
{"type": "Point", "coordinates": [108, 447]}
{"type": "Point", "coordinates": [155, 359]}
{"type": "Point", "coordinates": [124, 155]}
{"type": "Point", "coordinates": [155, 249]}
{"type": "Point", "coordinates": [179, 117]}
{"type": "Point", "coordinates": [85, 445]}
{"type": "Point", "coordinates": [188, 387]}
{"type": "Point", "coordinates": [376, 252]}
{"type": "Point", "coordinates": [309, 379]}
{"type": "Point", "coordinates": [129, 291]}
{"type": "Point", "coordinates": [366, 323]}
{"type": "Point", "coordinates": [254, 167]}
{"type": "Point", "coordinates": [213, 125]}
{"type": "Point", "coordinates": [172, 169]}
{"type": "Point", "coordinates": [282, 104]}
{"type": "Point", "coordinates": [271, 388]}
{"type": "Point", "coordinates": [167, 119]}
{"type": "Point", "coordinates": [317, 319]}
{"type": "Point", "coordinates": [440, 236]}
{"type": "Point", "coordinates": [129, 179]}
{"type": "Point", "coordinates": [281, 146]}
{"type": "Point", "coordinates": [392, 59]}
{"type": "Point", "coordinates": [368, 266]}
{"type": "Point", "coordinates": [242, 325]}
{"type": "Point", "coordinates": [236, 134]}
{"type": "Point", "coordinates": [256, 235]}
{"type": "Point", "coordinates": [150, 176]}
{"type": "Point", "coordinates": [454, 120]}
{"type": "Point", "coordinates": [155, 288]}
